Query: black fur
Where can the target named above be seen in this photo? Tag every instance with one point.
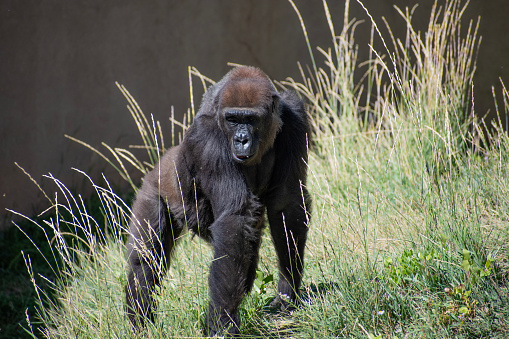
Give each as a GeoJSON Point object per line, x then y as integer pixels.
{"type": "Point", "coordinates": [220, 191]}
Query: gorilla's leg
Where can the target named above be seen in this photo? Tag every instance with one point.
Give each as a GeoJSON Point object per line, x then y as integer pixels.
{"type": "Point", "coordinates": [232, 271]}
{"type": "Point", "coordinates": [254, 242]}
{"type": "Point", "coordinates": [153, 236]}
{"type": "Point", "coordinates": [289, 232]}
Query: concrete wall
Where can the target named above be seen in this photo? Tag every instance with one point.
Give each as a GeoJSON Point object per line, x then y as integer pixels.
{"type": "Point", "coordinates": [59, 61]}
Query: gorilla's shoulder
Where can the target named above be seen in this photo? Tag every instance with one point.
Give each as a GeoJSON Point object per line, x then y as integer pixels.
{"type": "Point", "coordinates": [292, 105]}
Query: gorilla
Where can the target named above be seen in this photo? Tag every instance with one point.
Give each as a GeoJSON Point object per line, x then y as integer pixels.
{"type": "Point", "coordinates": [244, 157]}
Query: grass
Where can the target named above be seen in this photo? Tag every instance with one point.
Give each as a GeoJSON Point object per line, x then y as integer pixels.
{"type": "Point", "coordinates": [409, 232]}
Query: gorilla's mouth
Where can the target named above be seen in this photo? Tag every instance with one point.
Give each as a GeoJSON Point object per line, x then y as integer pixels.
{"type": "Point", "coordinates": [241, 157]}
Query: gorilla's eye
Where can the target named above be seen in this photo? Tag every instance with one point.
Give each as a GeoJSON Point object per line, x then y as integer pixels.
{"type": "Point", "coordinates": [231, 119]}
{"type": "Point", "coordinates": [251, 119]}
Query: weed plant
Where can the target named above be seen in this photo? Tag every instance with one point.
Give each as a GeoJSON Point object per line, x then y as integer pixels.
{"type": "Point", "coordinates": [408, 237]}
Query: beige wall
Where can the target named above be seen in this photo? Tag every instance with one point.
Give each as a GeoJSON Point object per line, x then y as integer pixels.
{"type": "Point", "coordinates": [59, 61]}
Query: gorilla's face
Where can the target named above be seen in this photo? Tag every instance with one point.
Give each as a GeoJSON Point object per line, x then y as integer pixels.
{"type": "Point", "coordinates": [243, 128]}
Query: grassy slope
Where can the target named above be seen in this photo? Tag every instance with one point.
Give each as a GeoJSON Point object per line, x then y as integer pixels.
{"type": "Point", "coordinates": [409, 230]}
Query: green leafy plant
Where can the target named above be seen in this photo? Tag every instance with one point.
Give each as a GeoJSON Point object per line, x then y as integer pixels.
{"type": "Point", "coordinates": [458, 307]}
{"type": "Point", "coordinates": [261, 283]}
{"type": "Point", "coordinates": [472, 270]}
{"type": "Point", "coordinates": [411, 267]}
{"type": "Point", "coordinates": [261, 298]}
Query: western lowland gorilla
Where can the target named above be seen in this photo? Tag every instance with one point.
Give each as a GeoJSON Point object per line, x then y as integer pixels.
{"type": "Point", "coordinates": [245, 154]}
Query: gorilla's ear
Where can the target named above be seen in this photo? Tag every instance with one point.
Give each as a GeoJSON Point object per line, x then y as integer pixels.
{"type": "Point", "coordinates": [216, 102]}
{"type": "Point", "coordinates": [275, 105]}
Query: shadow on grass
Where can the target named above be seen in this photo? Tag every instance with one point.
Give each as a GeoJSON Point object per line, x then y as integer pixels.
{"type": "Point", "coordinates": [17, 293]}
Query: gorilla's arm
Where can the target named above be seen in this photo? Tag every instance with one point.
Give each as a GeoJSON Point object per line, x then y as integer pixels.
{"type": "Point", "coordinates": [236, 229]}
{"type": "Point", "coordinates": [289, 204]}
{"type": "Point", "coordinates": [153, 235]}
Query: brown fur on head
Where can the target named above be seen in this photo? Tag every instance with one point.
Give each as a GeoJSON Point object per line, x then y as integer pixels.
{"type": "Point", "coordinates": [247, 87]}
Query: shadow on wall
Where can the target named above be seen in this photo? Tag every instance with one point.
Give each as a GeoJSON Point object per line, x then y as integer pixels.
{"type": "Point", "coordinates": [60, 60]}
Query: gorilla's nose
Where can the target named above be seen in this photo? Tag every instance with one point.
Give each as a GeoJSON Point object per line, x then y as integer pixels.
{"type": "Point", "coordinates": [242, 141]}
